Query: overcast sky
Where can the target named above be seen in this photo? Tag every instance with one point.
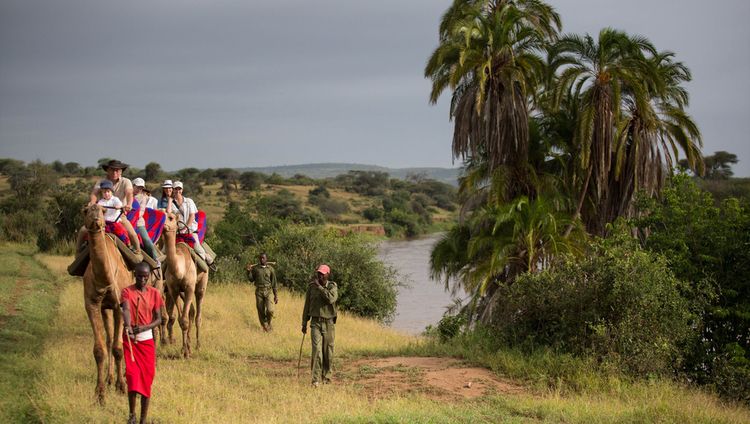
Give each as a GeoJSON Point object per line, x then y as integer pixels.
{"type": "Point", "coordinates": [215, 83]}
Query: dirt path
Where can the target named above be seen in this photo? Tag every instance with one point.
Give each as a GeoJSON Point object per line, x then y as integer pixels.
{"type": "Point", "coordinates": [443, 379]}
{"type": "Point", "coordinates": [437, 378]}
{"type": "Point", "coordinates": [10, 305]}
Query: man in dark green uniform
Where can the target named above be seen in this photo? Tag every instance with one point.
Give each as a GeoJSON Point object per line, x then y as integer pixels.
{"type": "Point", "coordinates": [264, 277]}
{"type": "Point", "coordinates": [320, 309]}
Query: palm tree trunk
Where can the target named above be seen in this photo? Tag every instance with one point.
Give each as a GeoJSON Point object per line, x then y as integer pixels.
{"type": "Point", "coordinates": [580, 203]}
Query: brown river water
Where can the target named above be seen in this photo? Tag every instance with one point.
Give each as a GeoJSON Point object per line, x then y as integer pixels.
{"type": "Point", "coordinates": [424, 301]}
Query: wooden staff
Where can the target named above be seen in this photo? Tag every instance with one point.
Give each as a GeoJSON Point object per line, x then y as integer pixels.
{"type": "Point", "coordinates": [250, 266]}
{"type": "Point", "coordinates": [137, 303]}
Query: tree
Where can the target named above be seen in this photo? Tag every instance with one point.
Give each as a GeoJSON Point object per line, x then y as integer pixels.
{"type": "Point", "coordinates": [488, 56]}
{"type": "Point", "coordinates": [229, 177]}
{"type": "Point", "coordinates": [153, 171]}
{"type": "Point", "coordinates": [719, 165]}
{"type": "Point", "coordinates": [72, 168]}
{"type": "Point", "coordinates": [251, 180]}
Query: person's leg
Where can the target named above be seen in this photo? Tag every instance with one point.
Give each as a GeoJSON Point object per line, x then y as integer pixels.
{"type": "Point", "coordinates": [198, 248]}
{"type": "Point", "coordinates": [329, 336]}
{"type": "Point", "coordinates": [79, 239]}
{"type": "Point", "coordinates": [144, 409]}
{"type": "Point", "coordinates": [131, 234]}
{"type": "Point", "coordinates": [269, 308]}
{"type": "Point", "coordinates": [131, 406]}
{"type": "Point", "coordinates": [316, 359]}
{"type": "Point", "coordinates": [148, 245]}
{"type": "Point", "coordinates": [259, 306]}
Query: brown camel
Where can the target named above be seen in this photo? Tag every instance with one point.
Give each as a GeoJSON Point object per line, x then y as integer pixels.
{"type": "Point", "coordinates": [184, 281]}
{"type": "Point", "coordinates": [157, 281]}
{"type": "Point", "coordinates": [105, 277]}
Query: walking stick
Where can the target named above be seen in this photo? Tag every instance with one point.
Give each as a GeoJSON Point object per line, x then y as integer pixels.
{"type": "Point", "coordinates": [299, 361]}
{"type": "Point", "coordinates": [130, 344]}
{"type": "Point", "coordinates": [137, 303]}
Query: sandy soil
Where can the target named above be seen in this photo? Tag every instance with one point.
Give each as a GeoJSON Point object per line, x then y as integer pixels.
{"type": "Point", "coordinates": [437, 378]}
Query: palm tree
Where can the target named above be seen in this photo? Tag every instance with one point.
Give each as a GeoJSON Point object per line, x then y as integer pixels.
{"type": "Point", "coordinates": [596, 72]}
{"type": "Point", "coordinates": [650, 135]}
{"type": "Point", "coordinates": [488, 56]}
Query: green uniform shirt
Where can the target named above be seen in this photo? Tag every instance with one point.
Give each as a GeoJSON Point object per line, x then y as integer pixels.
{"type": "Point", "coordinates": [263, 277]}
{"type": "Point", "coordinates": [320, 301]}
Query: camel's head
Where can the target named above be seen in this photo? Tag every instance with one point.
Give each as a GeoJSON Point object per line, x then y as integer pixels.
{"type": "Point", "coordinates": [93, 218]}
{"type": "Point", "coordinates": [170, 223]}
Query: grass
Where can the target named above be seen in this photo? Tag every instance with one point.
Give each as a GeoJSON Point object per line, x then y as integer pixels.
{"type": "Point", "coordinates": [244, 375]}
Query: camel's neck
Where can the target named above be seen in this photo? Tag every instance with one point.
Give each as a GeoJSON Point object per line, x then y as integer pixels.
{"type": "Point", "coordinates": [176, 266]}
{"type": "Point", "coordinates": [103, 265]}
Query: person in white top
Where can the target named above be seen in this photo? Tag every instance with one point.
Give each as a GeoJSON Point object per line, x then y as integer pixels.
{"type": "Point", "coordinates": [111, 202]}
{"type": "Point", "coordinates": [186, 210]}
{"type": "Point", "coordinates": [122, 188]}
{"type": "Point", "coordinates": [144, 200]}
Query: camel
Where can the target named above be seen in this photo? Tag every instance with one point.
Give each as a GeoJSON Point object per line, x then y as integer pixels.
{"type": "Point", "coordinates": [157, 281]}
{"type": "Point", "coordinates": [105, 277]}
{"type": "Point", "coordinates": [182, 280]}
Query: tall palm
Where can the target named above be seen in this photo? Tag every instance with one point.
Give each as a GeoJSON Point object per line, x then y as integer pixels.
{"type": "Point", "coordinates": [650, 135]}
{"type": "Point", "coordinates": [488, 57]}
{"type": "Point", "coordinates": [596, 72]}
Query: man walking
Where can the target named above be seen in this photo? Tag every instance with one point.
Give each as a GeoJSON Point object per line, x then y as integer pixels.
{"type": "Point", "coordinates": [320, 310]}
{"type": "Point", "coordinates": [264, 277]}
{"type": "Point", "coordinates": [141, 310]}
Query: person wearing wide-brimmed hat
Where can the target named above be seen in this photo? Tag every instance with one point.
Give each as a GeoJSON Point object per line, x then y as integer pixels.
{"type": "Point", "coordinates": [145, 201]}
{"type": "Point", "coordinates": [320, 310]}
{"type": "Point", "coordinates": [122, 188]}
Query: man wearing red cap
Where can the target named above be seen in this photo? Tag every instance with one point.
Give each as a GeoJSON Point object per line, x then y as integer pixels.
{"type": "Point", "coordinates": [320, 310]}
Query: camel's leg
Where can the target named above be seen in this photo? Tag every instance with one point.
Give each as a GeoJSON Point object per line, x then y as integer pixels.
{"type": "Point", "coordinates": [117, 350]}
{"type": "Point", "coordinates": [200, 291]}
{"type": "Point", "coordinates": [185, 321]}
{"type": "Point", "coordinates": [97, 325]}
{"type": "Point", "coordinates": [171, 301]}
{"type": "Point", "coordinates": [106, 321]}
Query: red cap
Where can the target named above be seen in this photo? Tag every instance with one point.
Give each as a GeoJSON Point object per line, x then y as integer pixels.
{"type": "Point", "coordinates": [324, 269]}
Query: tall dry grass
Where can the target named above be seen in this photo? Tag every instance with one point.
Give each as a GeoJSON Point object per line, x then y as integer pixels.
{"type": "Point", "coordinates": [242, 375]}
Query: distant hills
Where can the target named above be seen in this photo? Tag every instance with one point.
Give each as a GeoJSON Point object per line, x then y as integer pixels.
{"type": "Point", "coordinates": [329, 170]}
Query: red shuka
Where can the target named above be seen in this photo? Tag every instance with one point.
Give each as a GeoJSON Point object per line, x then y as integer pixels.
{"type": "Point", "coordinates": [140, 372]}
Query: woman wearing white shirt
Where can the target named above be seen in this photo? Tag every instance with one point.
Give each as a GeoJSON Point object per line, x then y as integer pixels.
{"type": "Point", "coordinates": [187, 210]}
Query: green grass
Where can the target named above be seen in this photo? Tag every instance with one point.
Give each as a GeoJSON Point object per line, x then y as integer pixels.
{"type": "Point", "coordinates": [29, 295]}
{"type": "Point", "coordinates": [244, 375]}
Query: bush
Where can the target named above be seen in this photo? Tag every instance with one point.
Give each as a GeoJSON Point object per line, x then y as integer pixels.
{"type": "Point", "coordinates": [450, 326]}
{"type": "Point", "coordinates": [367, 287]}
{"type": "Point", "coordinates": [621, 305]}
{"type": "Point", "coordinates": [372, 213]}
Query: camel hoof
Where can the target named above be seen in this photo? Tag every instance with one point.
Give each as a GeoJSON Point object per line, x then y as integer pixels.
{"type": "Point", "coordinates": [100, 395]}
{"type": "Point", "coordinates": [122, 387]}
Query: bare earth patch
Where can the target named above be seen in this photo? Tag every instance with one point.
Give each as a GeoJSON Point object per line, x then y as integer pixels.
{"type": "Point", "coordinates": [437, 378]}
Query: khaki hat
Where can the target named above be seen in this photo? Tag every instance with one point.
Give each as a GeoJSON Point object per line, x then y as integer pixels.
{"type": "Point", "coordinates": [178, 184]}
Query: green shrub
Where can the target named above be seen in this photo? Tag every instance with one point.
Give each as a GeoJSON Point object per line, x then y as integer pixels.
{"type": "Point", "coordinates": [450, 326]}
{"type": "Point", "coordinates": [621, 305]}
{"type": "Point", "coordinates": [372, 213]}
{"type": "Point", "coordinates": [367, 287]}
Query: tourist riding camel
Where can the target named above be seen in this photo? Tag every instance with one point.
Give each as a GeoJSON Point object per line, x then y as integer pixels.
{"type": "Point", "coordinates": [122, 188]}
{"type": "Point", "coordinates": [183, 281]}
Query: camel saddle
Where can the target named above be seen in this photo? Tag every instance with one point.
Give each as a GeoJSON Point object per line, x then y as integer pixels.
{"type": "Point", "coordinates": [81, 261]}
{"type": "Point", "coordinates": [200, 264]}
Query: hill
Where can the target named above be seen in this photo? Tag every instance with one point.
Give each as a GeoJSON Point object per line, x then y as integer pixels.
{"type": "Point", "coordinates": [330, 170]}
